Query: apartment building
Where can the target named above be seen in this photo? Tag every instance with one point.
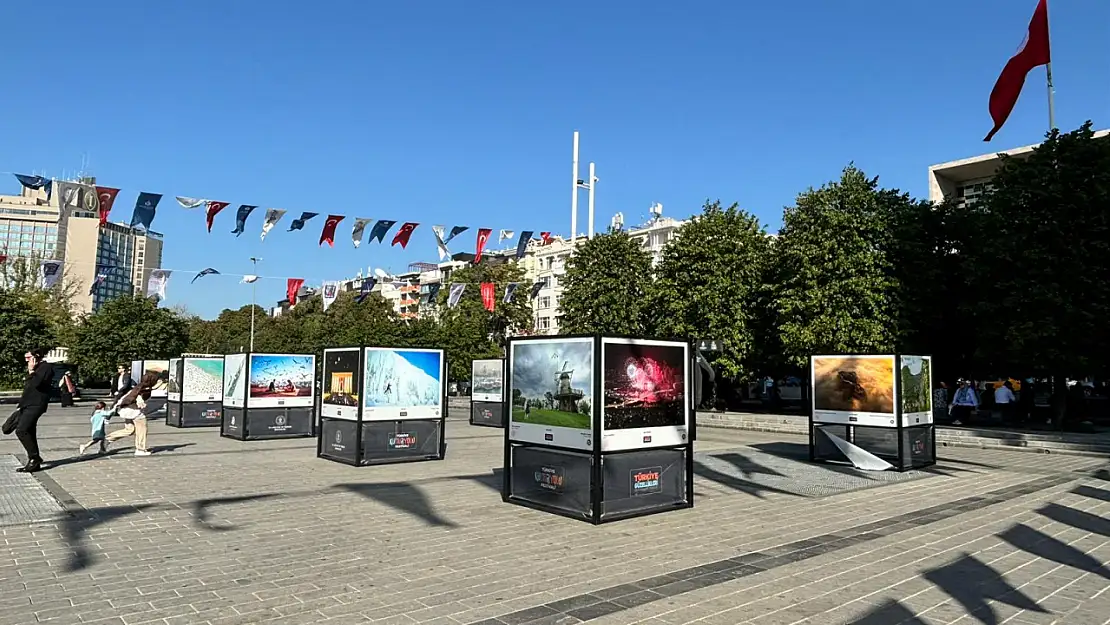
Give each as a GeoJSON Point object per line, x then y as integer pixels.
{"type": "Point", "coordinates": [34, 226]}
{"type": "Point", "coordinates": [966, 180]}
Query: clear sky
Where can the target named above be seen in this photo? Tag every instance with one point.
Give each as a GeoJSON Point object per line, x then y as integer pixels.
{"type": "Point", "coordinates": [462, 112]}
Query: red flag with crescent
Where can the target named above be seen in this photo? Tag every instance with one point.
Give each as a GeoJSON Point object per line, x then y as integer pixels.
{"type": "Point", "coordinates": [489, 298]}
{"type": "Point", "coordinates": [106, 196]}
{"type": "Point", "coordinates": [403, 234]}
{"type": "Point", "coordinates": [214, 209]}
{"type": "Point", "coordinates": [483, 236]}
{"type": "Point", "coordinates": [546, 236]}
{"type": "Point", "coordinates": [327, 235]}
{"type": "Point", "coordinates": [292, 286]}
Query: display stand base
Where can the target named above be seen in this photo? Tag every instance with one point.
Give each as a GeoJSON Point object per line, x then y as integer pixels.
{"type": "Point", "coordinates": [487, 414]}
{"type": "Point", "coordinates": [253, 424]}
{"type": "Point", "coordinates": [386, 442]}
{"type": "Point", "coordinates": [338, 440]}
{"type": "Point", "coordinates": [624, 485]}
{"type": "Point", "coordinates": [917, 448]}
{"type": "Point", "coordinates": [194, 414]}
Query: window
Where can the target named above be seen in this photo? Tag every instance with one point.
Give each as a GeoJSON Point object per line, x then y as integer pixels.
{"type": "Point", "coordinates": [546, 282]}
{"type": "Point", "coordinates": [545, 302]}
{"type": "Point", "coordinates": [543, 323]}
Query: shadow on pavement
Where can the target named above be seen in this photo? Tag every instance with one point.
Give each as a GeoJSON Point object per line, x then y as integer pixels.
{"type": "Point", "coordinates": [972, 584]}
{"type": "Point", "coordinates": [1092, 492]}
{"type": "Point", "coordinates": [1037, 543]}
{"type": "Point", "coordinates": [889, 613]}
{"type": "Point", "coordinates": [401, 496]}
{"type": "Point", "coordinates": [75, 527]}
{"type": "Point", "coordinates": [1076, 518]}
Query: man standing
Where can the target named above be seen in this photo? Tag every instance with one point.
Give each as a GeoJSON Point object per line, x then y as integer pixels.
{"type": "Point", "coordinates": [1004, 401]}
{"type": "Point", "coordinates": [123, 382]}
{"type": "Point", "coordinates": [32, 405]}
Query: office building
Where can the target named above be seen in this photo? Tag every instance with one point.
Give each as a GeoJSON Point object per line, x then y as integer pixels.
{"type": "Point", "coordinates": [966, 180]}
{"type": "Point", "coordinates": [33, 226]}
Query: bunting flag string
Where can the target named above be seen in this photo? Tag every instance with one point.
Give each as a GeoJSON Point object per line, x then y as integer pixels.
{"type": "Point", "coordinates": [189, 202]}
{"type": "Point", "coordinates": [441, 245]}
{"type": "Point", "coordinates": [503, 235]}
{"type": "Point", "coordinates": [456, 231]}
{"type": "Point", "coordinates": [483, 236]}
{"type": "Point", "coordinates": [365, 289]}
{"type": "Point", "coordinates": [489, 297]}
{"type": "Point", "coordinates": [292, 287]}
{"type": "Point", "coordinates": [145, 208]}
{"type": "Point", "coordinates": [455, 295]}
{"type": "Point", "coordinates": [327, 235]}
{"type": "Point", "coordinates": [249, 279]}
{"type": "Point", "coordinates": [102, 273]}
{"type": "Point", "coordinates": [299, 222]}
{"type": "Point", "coordinates": [204, 272]}
{"type": "Point", "coordinates": [273, 215]}
{"type": "Point", "coordinates": [545, 237]}
{"type": "Point", "coordinates": [36, 183]}
{"type": "Point", "coordinates": [380, 229]}
{"type": "Point", "coordinates": [51, 272]}
{"type": "Point", "coordinates": [403, 234]}
{"type": "Point", "coordinates": [329, 294]}
{"type": "Point", "coordinates": [106, 197]}
{"type": "Point", "coordinates": [214, 209]}
{"type": "Point", "coordinates": [358, 230]}
{"type": "Point", "coordinates": [510, 290]}
{"type": "Point", "coordinates": [241, 215]}
{"type": "Point", "coordinates": [522, 244]}
{"type": "Point", "coordinates": [156, 284]}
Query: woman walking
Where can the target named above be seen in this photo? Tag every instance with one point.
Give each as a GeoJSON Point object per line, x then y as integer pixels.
{"type": "Point", "coordinates": [67, 389]}
{"type": "Point", "coordinates": [32, 405]}
{"type": "Point", "coordinates": [132, 408]}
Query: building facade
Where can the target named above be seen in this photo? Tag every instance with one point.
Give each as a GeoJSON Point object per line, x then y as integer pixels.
{"type": "Point", "coordinates": [34, 227]}
{"type": "Point", "coordinates": [966, 180]}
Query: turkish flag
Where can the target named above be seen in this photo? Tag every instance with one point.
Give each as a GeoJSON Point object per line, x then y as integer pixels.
{"type": "Point", "coordinates": [291, 287]}
{"type": "Point", "coordinates": [546, 236]}
{"type": "Point", "coordinates": [403, 234]}
{"type": "Point", "coordinates": [1034, 51]}
{"type": "Point", "coordinates": [106, 196]}
{"type": "Point", "coordinates": [489, 298]}
{"type": "Point", "coordinates": [327, 235]}
{"type": "Point", "coordinates": [214, 209]}
{"type": "Point", "coordinates": [483, 236]}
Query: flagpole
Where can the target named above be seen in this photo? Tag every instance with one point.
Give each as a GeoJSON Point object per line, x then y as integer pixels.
{"type": "Point", "coordinates": [254, 290]}
{"type": "Point", "coordinates": [1048, 78]}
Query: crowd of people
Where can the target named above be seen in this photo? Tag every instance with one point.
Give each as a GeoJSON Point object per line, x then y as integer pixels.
{"type": "Point", "coordinates": [130, 402]}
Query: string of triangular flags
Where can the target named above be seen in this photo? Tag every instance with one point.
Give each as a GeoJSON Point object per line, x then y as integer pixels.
{"type": "Point", "coordinates": [101, 199]}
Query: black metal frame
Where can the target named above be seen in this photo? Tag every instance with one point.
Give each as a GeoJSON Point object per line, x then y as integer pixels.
{"type": "Point", "coordinates": [246, 409]}
{"type": "Point", "coordinates": [180, 403]}
{"type": "Point", "coordinates": [597, 456]}
{"type": "Point", "coordinates": [504, 373]}
{"type": "Point", "coordinates": [359, 421]}
{"type": "Point", "coordinates": [899, 428]}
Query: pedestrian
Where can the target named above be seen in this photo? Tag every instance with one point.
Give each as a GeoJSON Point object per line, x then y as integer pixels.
{"type": "Point", "coordinates": [1004, 401]}
{"type": "Point", "coordinates": [965, 401]}
{"type": "Point", "coordinates": [67, 389]}
{"type": "Point", "coordinates": [132, 407]}
{"type": "Point", "coordinates": [32, 405]}
{"type": "Point", "coordinates": [122, 383]}
{"type": "Point", "coordinates": [100, 416]}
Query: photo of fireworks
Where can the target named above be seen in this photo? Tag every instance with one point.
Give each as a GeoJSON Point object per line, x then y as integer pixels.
{"type": "Point", "coordinates": [643, 385]}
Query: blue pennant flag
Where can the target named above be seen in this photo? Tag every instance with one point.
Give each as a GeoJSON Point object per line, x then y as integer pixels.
{"type": "Point", "coordinates": [299, 222]}
{"type": "Point", "coordinates": [241, 218]}
{"type": "Point", "coordinates": [522, 244]}
{"type": "Point", "coordinates": [433, 293]}
{"type": "Point", "coordinates": [145, 208]}
{"type": "Point", "coordinates": [204, 272]}
{"type": "Point", "coordinates": [455, 231]}
{"type": "Point", "coordinates": [102, 273]}
{"type": "Point", "coordinates": [380, 229]}
{"type": "Point", "coordinates": [36, 182]}
{"type": "Point", "coordinates": [364, 291]}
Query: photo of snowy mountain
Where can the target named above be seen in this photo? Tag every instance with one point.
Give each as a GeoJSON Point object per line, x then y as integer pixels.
{"type": "Point", "coordinates": [402, 384]}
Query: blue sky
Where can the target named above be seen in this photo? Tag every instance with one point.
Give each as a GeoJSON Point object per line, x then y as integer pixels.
{"type": "Point", "coordinates": [428, 362]}
{"type": "Point", "coordinates": [462, 112]}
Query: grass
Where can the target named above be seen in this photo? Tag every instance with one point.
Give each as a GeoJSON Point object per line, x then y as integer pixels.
{"type": "Point", "coordinates": [554, 418]}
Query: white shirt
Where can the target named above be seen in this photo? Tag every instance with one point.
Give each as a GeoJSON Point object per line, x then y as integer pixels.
{"type": "Point", "coordinates": [1003, 395]}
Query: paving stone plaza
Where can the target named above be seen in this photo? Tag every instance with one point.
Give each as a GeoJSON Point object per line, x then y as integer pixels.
{"type": "Point", "coordinates": [212, 530]}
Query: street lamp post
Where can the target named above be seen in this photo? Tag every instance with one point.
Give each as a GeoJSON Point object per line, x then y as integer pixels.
{"type": "Point", "coordinates": [254, 290]}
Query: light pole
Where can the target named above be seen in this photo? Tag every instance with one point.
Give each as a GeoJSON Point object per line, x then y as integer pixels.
{"type": "Point", "coordinates": [254, 290]}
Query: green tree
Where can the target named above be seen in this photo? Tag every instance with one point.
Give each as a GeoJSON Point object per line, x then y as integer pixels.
{"type": "Point", "coordinates": [834, 288]}
{"type": "Point", "coordinates": [1039, 242]}
{"type": "Point", "coordinates": [21, 329]}
{"type": "Point", "coordinates": [229, 332]}
{"type": "Point", "coordinates": [710, 282]}
{"type": "Point", "coordinates": [468, 331]}
{"type": "Point", "coordinates": [607, 287]}
{"type": "Point", "coordinates": [22, 275]}
{"type": "Point", "coordinates": [126, 329]}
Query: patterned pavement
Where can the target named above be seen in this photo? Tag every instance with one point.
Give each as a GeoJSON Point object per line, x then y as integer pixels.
{"type": "Point", "coordinates": [215, 531]}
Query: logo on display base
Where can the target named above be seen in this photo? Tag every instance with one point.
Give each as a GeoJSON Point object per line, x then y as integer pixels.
{"type": "Point", "coordinates": [550, 478]}
{"type": "Point", "coordinates": [338, 437]}
{"type": "Point", "coordinates": [279, 420]}
{"type": "Point", "coordinates": [232, 421]}
{"type": "Point", "coordinates": [402, 440]}
{"type": "Point", "coordinates": [646, 481]}
{"type": "Point", "coordinates": [647, 438]}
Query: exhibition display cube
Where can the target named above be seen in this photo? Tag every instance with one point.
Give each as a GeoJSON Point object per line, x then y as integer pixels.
{"type": "Point", "coordinates": [875, 411]}
{"type": "Point", "coordinates": [195, 392]}
{"type": "Point", "coordinates": [487, 392]}
{"type": "Point", "coordinates": [381, 405]}
{"type": "Point", "coordinates": [267, 396]}
{"type": "Point", "coordinates": [598, 428]}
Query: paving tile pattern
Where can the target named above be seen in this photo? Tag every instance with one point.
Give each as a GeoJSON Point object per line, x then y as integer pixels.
{"type": "Point", "coordinates": [215, 531]}
{"type": "Point", "coordinates": [23, 499]}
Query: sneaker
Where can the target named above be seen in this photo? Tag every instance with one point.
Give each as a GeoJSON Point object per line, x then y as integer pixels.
{"type": "Point", "coordinates": [142, 452]}
{"type": "Point", "coordinates": [83, 448]}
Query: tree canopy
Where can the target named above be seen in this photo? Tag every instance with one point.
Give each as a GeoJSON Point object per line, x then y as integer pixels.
{"type": "Point", "coordinates": [126, 329]}
{"type": "Point", "coordinates": [607, 287]}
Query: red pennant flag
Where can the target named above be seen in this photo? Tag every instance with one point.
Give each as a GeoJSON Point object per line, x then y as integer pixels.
{"type": "Point", "coordinates": [1034, 51]}
{"type": "Point", "coordinates": [214, 209]}
{"type": "Point", "coordinates": [483, 236]}
{"type": "Point", "coordinates": [327, 235]}
{"type": "Point", "coordinates": [107, 197]}
{"type": "Point", "coordinates": [291, 287]}
{"type": "Point", "coordinates": [403, 234]}
{"type": "Point", "coordinates": [546, 236]}
{"type": "Point", "coordinates": [489, 298]}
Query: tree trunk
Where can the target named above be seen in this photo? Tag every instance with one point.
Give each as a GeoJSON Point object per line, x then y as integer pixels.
{"type": "Point", "coordinates": [1059, 401]}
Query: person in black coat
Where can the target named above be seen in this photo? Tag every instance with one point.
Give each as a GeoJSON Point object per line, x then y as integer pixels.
{"type": "Point", "coordinates": [32, 405]}
{"type": "Point", "coordinates": [122, 382]}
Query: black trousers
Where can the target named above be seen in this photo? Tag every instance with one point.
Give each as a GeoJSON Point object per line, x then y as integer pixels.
{"type": "Point", "coordinates": [26, 430]}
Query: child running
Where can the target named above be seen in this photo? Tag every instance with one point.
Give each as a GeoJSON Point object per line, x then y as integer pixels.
{"type": "Point", "coordinates": [99, 419]}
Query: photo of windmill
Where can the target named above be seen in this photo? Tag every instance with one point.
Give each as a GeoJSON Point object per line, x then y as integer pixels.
{"type": "Point", "coordinates": [552, 384]}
